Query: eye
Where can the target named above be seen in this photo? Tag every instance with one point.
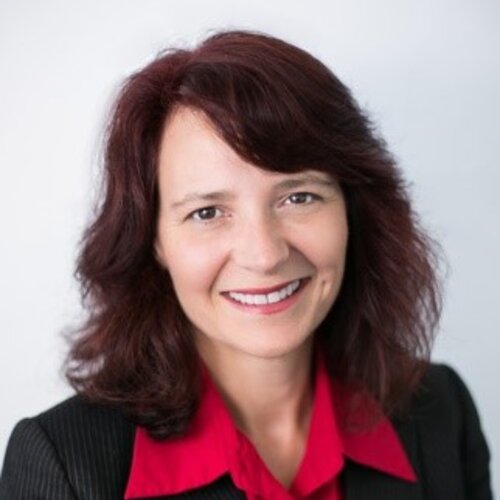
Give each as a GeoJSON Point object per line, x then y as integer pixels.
{"type": "Point", "coordinates": [204, 214]}
{"type": "Point", "coordinates": [303, 198]}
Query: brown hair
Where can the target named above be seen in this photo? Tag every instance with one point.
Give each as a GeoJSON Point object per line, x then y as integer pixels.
{"type": "Point", "coordinates": [283, 110]}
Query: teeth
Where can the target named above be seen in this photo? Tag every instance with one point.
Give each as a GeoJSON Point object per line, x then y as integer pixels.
{"type": "Point", "coordinates": [270, 298]}
{"type": "Point", "coordinates": [274, 297]}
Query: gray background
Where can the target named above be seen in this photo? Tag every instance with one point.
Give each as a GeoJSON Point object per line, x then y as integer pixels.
{"type": "Point", "coordinates": [427, 71]}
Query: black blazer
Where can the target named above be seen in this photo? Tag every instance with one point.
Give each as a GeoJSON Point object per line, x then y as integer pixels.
{"type": "Point", "coordinates": [82, 451]}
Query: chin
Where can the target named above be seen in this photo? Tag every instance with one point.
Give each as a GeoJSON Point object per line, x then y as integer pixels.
{"type": "Point", "coordinates": [273, 350]}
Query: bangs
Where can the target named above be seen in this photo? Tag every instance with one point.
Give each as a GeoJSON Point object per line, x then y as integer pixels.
{"type": "Point", "coordinates": [271, 112]}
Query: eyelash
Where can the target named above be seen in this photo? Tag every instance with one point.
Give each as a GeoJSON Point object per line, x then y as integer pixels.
{"type": "Point", "coordinates": [191, 216]}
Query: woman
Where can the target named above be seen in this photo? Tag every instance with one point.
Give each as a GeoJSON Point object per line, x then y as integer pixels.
{"type": "Point", "coordinates": [261, 302]}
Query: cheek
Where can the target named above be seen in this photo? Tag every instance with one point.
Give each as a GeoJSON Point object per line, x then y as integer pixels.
{"type": "Point", "coordinates": [327, 252]}
{"type": "Point", "coordinates": [193, 267]}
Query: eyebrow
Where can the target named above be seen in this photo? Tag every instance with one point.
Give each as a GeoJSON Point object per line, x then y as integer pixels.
{"type": "Point", "coordinates": [225, 195]}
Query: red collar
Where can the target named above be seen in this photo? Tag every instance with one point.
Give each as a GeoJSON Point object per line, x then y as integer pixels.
{"type": "Point", "coordinates": [213, 446]}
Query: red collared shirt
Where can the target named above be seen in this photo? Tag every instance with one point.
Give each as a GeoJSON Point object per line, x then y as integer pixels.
{"type": "Point", "coordinates": [213, 446]}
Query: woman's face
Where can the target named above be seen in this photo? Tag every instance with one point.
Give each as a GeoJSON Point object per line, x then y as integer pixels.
{"type": "Point", "coordinates": [228, 232]}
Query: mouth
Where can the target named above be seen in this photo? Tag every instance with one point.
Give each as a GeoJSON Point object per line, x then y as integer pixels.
{"type": "Point", "coordinates": [267, 300]}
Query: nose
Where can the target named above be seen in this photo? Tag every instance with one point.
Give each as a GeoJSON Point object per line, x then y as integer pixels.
{"type": "Point", "coordinates": [260, 245]}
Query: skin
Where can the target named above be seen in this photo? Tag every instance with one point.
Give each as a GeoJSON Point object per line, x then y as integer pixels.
{"type": "Point", "coordinates": [259, 236]}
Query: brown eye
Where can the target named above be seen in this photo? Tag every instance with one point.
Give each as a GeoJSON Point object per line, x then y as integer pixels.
{"type": "Point", "coordinates": [204, 214]}
{"type": "Point", "coordinates": [302, 198]}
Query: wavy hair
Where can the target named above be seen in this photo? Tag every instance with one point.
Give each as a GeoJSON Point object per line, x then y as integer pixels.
{"type": "Point", "coordinates": [282, 110]}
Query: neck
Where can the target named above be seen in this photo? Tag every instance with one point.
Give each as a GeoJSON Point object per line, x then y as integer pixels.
{"type": "Point", "coordinates": [267, 397]}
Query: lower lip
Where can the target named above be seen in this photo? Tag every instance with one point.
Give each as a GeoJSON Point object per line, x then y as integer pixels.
{"type": "Point", "coordinates": [270, 308]}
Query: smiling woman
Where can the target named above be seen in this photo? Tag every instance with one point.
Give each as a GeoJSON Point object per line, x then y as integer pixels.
{"type": "Point", "coordinates": [261, 303]}
{"type": "Point", "coordinates": [256, 241]}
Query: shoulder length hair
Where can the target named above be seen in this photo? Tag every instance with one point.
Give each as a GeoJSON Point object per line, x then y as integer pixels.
{"type": "Point", "coordinates": [283, 110]}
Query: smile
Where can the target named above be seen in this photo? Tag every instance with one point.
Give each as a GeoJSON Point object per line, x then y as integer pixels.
{"type": "Point", "coordinates": [270, 298]}
{"type": "Point", "coordinates": [274, 301]}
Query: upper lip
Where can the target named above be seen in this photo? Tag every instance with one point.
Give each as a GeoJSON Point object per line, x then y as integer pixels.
{"type": "Point", "coordinates": [264, 290]}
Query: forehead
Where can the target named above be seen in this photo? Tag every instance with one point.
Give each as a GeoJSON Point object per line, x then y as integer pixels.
{"type": "Point", "coordinates": [192, 151]}
{"type": "Point", "coordinates": [188, 135]}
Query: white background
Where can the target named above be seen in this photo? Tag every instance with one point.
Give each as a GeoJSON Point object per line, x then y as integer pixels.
{"type": "Point", "coordinates": [427, 71]}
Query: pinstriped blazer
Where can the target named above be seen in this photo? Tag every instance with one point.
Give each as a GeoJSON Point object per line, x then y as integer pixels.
{"type": "Point", "coordinates": [82, 451]}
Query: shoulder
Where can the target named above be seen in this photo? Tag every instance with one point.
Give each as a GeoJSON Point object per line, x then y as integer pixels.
{"type": "Point", "coordinates": [444, 398]}
{"type": "Point", "coordinates": [445, 423]}
{"type": "Point", "coordinates": [76, 420]}
{"type": "Point", "coordinates": [77, 449]}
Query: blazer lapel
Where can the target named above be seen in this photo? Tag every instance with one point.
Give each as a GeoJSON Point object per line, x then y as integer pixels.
{"type": "Point", "coordinates": [364, 483]}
